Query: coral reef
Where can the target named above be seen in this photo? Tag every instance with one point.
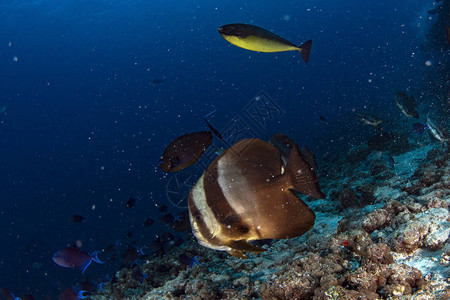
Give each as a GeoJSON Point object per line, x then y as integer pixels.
{"type": "Point", "coordinates": [375, 239]}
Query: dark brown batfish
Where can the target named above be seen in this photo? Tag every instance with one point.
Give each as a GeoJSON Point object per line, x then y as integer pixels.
{"type": "Point", "coordinates": [283, 143]}
{"type": "Point", "coordinates": [185, 150]}
{"type": "Point", "coordinates": [244, 195]}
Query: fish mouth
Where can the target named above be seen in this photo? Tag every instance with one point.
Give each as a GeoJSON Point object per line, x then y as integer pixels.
{"type": "Point", "coordinates": [220, 29]}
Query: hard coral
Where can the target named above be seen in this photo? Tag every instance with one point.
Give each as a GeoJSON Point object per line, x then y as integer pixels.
{"type": "Point", "coordinates": [375, 220]}
{"type": "Point", "coordinates": [429, 229]}
{"type": "Point", "coordinates": [300, 279]}
{"type": "Point", "coordinates": [378, 253]}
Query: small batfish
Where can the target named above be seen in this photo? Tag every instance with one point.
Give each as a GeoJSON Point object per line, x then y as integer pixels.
{"type": "Point", "coordinates": [73, 257]}
{"type": "Point", "coordinates": [71, 294]}
{"type": "Point", "coordinates": [418, 128]}
{"type": "Point", "coordinates": [258, 39]}
{"type": "Point", "coordinates": [245, 194]}
{"type": "Point", "coordinates": [185, 150]}
{"type": "Point", "coordinates": [283, 143]}
{"type": "Point", "coordinates": [407, 105]}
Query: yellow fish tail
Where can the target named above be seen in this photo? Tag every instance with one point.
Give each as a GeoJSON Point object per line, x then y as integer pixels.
{"type": "Point", "coordinates": [305, 49]}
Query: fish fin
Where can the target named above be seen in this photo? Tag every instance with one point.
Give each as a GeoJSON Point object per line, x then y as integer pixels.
{"type": "Point", "coordinates": [100, 286]}
{"type": "Point", "coordinates": [237, 253]}
{"type": "Point", "coordinates": [81, 294]}
{"type": "Point", "coordinates": [95, 258]}
{"type": "Point", "coordinates": [195, 261]}
{"type": "Point", "coordinates": [210, 113]}
{"type": "Point", "coordinates": [84, 267]}
{"type": "Point", "coordinates": [305, 49]}
{"type": "Point", "coordinates": [243, 245]}
{"type": "Point", "coordinates": [302, 177]}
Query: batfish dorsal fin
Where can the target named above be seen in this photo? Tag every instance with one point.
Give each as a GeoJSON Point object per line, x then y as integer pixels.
{"type": "Point", "coordinates": [303, 178]}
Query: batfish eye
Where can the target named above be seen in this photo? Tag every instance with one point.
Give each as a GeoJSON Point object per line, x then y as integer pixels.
{"type": "Point", "coordinates": [198, 218]}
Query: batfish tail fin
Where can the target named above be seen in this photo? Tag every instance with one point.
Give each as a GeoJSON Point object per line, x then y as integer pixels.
{"type": "Point", "coordinates": [305, 49]}
{"type": "Point", "coordinates": [301, 176]}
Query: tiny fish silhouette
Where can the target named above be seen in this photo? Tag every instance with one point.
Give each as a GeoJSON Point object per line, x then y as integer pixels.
{"type": "Point", "coordinates": [214, 130]}
{"type": "Point", "coordinates": [131, 202]}
{"type": "Point", "coordinates": [76, 218]}
{"type": "Point", "coordinates": [149, 222]}
{"type": "Point", "coordinates": [162, 208]}
{"type": "Point", "coordinates": [391, 162]}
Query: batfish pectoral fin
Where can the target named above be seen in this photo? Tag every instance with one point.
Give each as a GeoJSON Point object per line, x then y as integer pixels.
{"type": "Point", "coordinates": [241, 245]}
{"type": "Point", "coordinates": [293, 215]}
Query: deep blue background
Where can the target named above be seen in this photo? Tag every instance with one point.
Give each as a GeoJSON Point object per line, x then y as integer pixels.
{"type": "Point", "coordinates": [85, 125]}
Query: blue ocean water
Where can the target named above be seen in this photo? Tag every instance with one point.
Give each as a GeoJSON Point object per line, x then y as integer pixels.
{"type": "Point", "coordinates": [86, 118]}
